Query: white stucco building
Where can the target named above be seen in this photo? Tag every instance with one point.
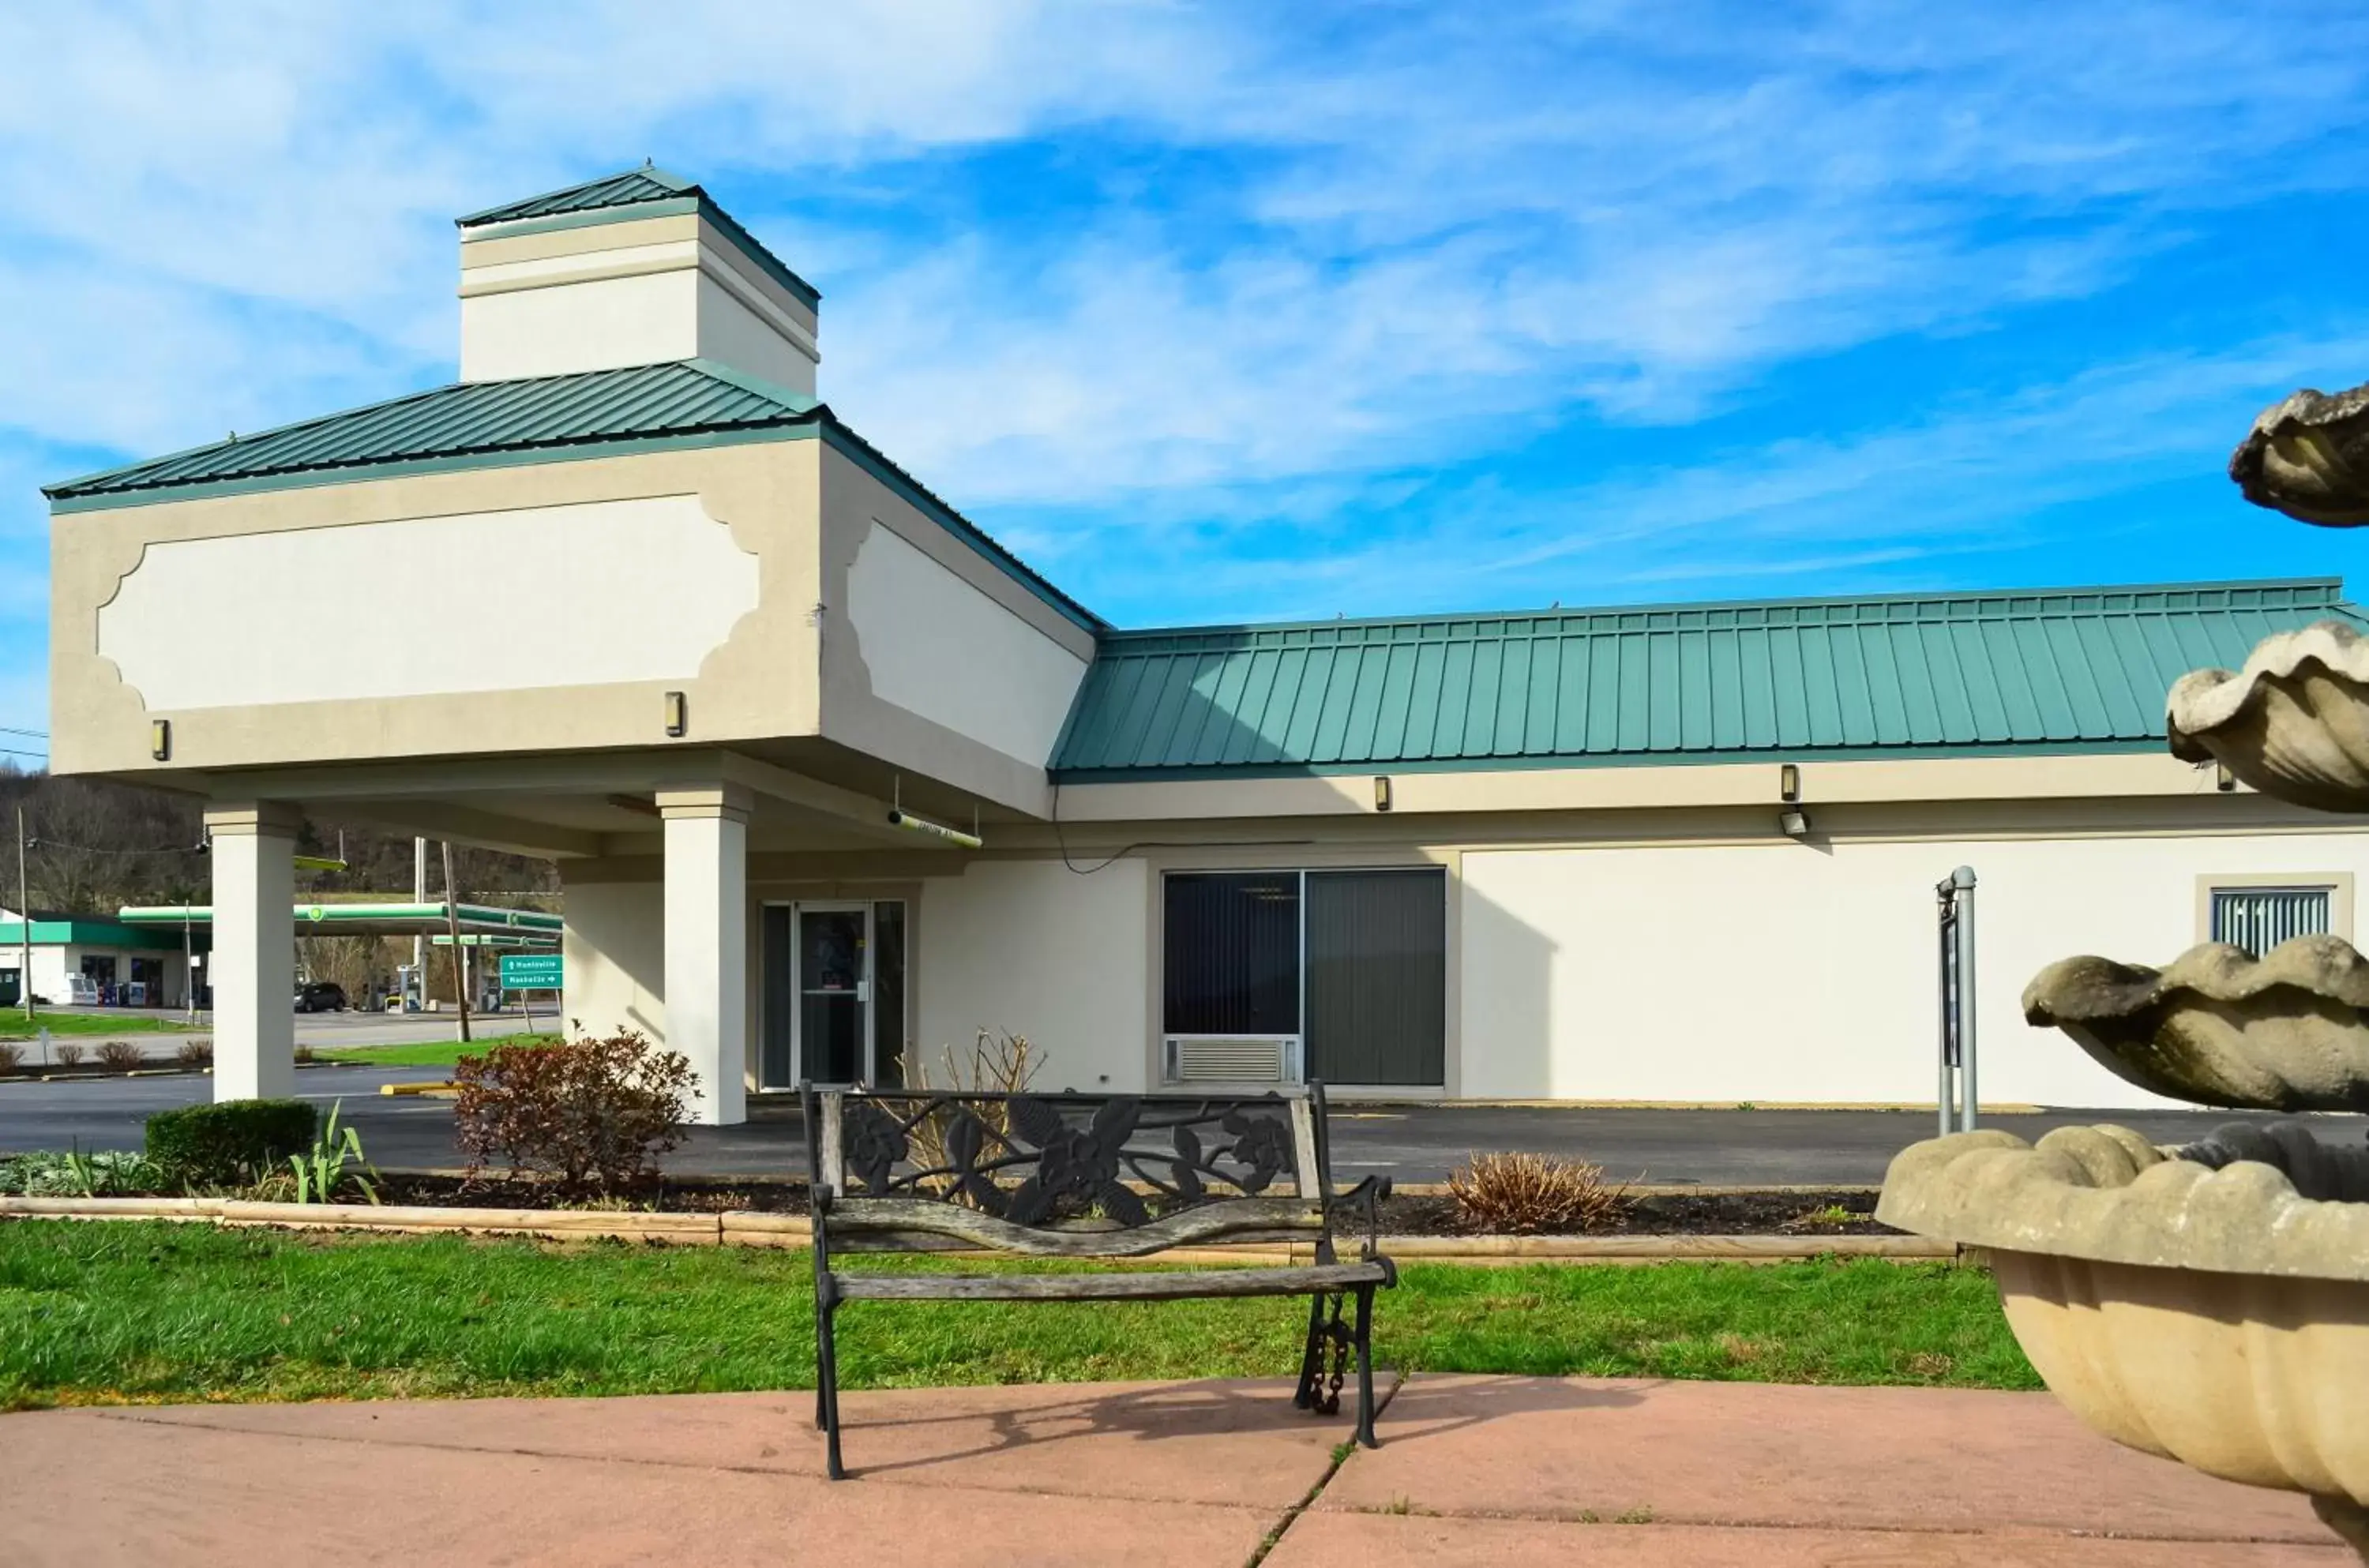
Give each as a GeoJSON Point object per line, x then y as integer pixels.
{"type": "Point", "coordinates": [1534, 855]}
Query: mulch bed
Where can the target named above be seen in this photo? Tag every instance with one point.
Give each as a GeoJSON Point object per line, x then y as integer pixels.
{"type": "Point", "coordinates": [1843, 1211]}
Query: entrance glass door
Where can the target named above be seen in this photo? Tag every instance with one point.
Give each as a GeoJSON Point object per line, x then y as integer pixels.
{"type": "Point", "coordinates": [834, 984]}
{"type": "Point", "coordinates": [832, 1007]}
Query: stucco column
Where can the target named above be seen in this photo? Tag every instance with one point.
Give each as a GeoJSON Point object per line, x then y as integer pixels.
{"type": "Point", "coordinates": [706, 975]}
{"type": "Point", "coordinates": [254, 964]}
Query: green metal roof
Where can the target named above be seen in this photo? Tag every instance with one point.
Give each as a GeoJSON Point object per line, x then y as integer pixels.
{"type": "Point", "coordinates": [644, 192]}
{"type": "Point", "coordinates": [474, 419]}
{"type": "Point", "coordinates": [2071, 669]}
{"type": "Point", "coordinates": [648, 183]}
{"type": "Point", "coordinates": [539, 420]}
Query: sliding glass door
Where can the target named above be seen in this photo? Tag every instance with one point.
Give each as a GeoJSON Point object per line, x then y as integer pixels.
{"type": "Point", "coordinates": [1351, 964]}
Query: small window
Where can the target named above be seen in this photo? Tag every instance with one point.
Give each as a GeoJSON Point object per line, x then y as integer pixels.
{"type": "Point", "coordinates": [2259, 919]}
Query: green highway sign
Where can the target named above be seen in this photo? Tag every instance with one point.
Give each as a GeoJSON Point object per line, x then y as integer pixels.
{"type": "Point", "coordinates": [531, 971]}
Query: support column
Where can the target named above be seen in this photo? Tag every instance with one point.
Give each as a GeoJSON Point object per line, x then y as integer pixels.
{"type": "Point", "coordinates": [706, 975]}
{"type": "Point", "coordinates": [254, 964]}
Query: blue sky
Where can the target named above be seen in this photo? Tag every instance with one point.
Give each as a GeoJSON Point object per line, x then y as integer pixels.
{"type": "Point", "coordinates": [1249, 311]}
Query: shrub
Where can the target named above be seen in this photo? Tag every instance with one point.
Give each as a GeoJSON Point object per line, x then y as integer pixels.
{"type": "Point", "coordinates": [1534, 1191]}
{"type": "Point", "coordinates": [70, 1053]}
{"type": "Point", "coordinates": [999, 1064]}
{"type": "Point", "coordinates": [195, 1053]}
{"type": "Point", "coordinates": [121, 1056]}
{"type": "Point", "coordinates": [229, 1144]}
{"type": "Point", "coordinates": [12, 1056]}
{"type": "Point", "coordinates": [303, 1055]}
{"type": "Point", "coordinates": [588, 1112]}
{"type": "Point", "coordinates": [72, 1173]}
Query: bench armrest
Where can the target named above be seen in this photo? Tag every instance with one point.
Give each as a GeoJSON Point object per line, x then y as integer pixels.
{"type": "Point", "coordinates": [1364, 1200]}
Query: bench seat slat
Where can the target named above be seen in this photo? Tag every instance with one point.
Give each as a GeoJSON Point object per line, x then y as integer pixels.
{"type": "Point", "coordinates": [1129, 1286]}
{"type": "Point", "coordinates": [1224, 1218]}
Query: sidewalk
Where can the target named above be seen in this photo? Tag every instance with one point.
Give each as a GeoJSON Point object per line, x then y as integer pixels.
{"type": "Point", "coordinates": [1472, 1471]}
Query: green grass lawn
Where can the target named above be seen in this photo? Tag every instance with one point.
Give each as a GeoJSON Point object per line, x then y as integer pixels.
{"type": "Point", "coordinates": [423, 1053]}
{"type": "Point", "coordinates": [93, 1313]}
{"type": "Point", "coordinates": [67, 1025]}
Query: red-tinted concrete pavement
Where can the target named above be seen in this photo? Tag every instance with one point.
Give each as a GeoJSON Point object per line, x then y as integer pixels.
{"type": "Point", "coordinates": [1474, 1471]}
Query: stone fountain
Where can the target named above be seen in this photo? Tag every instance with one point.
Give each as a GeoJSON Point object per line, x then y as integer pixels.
{"type": "Point", "coordinates": [2211, 1302]}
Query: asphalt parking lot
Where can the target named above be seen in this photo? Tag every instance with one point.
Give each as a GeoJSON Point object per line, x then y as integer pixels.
{"type": "Point", "coordinates": [1409, 1143]}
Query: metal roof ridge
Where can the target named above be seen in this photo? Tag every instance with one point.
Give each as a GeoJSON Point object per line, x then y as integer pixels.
{"type": "Point", "coordinates": [674, 183]}
{"type": "Point", "coordinates": [2332, 587]}
{"type": "Point", "coordinates": [784, 400]}
{"type": "Point", "coordinates": [65, 487]}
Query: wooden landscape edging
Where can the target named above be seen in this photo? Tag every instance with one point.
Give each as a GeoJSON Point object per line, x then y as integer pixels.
{"type": "Point", "coordinates": [749, 1229]}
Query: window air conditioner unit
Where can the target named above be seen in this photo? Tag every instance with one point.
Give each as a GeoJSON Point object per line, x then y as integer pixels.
{"type": "Point", "coordinates": [1234, 1059]}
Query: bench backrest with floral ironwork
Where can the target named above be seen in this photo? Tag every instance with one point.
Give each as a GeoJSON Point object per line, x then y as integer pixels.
{"type": "Point", "coordinates": [1066, 1174]}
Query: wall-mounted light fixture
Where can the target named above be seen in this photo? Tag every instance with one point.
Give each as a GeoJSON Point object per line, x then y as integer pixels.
{"type": "Point", "coordinates": [1792, 821]}
{"type": "Point", "coordinates": [2222, 779]}
{"type": "Point", "coordinates": [1382, 792]}
{"type": "Point", "coordinates": [160, 740]}
{"type": "Point", "coordinates": [678, 715]}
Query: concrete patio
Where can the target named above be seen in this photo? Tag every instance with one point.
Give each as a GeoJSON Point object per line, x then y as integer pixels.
{"type": "Point", "coordinates": [1472, 1471]}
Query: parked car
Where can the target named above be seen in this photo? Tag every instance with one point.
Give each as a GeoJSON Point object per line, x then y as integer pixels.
{"type": "Point", "coordinates": [320, 996]}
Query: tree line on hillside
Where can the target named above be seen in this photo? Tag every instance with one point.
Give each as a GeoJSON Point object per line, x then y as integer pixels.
{"type": "Point", "coordinates": [97, 846]}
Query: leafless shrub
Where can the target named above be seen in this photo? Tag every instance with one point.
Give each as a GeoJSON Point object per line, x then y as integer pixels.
{"type": "Point", "coordinates": [589, 1113]}
{"type": "Point", "coordinates": [12, 1056]}
{"type": "Point", "coordinates": [70, 1053]}
{"type": "Point", "coordinates": [195, 1053]}
{"type": "Point", "coordinates": [121, 1056]}
{"type": "Point", "coordinates": [1512, 1192]}
{"type": "Point", "coordinates": [304, 1053]}
{"type": "Point", "coordinates": [998, 1064]}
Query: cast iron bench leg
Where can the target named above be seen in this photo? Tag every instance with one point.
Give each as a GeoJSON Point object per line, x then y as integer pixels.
{"type": "Point", "coordinates": [1366, 1368]}
{"type": "Point", "coordinates": [826, 1388]}
{"type": "Point", "coordinates": [1311, 1359]}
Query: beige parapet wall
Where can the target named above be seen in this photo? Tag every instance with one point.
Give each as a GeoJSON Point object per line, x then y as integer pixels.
{"type": "Point", "coordinates": [738, 1228]}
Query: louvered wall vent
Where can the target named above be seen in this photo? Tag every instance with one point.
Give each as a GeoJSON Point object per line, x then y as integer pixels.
{"type": "Point", "coordinates": [1234, 1059]}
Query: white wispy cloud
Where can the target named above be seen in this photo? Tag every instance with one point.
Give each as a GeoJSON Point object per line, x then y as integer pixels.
{"type": "Point", "coordinates": [1297, 258]}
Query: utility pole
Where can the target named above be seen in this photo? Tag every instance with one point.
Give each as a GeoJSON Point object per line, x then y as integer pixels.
{"type": "Point", "coordinates": [453, 929]}
{"type": "Point", "coordinates": [419, 896]}
{"type": "Point", "coordinates": [24, 925]}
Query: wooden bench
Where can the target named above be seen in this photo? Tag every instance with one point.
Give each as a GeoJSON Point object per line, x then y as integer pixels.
{"type": "Point", "coordinates": [1073, 1175]}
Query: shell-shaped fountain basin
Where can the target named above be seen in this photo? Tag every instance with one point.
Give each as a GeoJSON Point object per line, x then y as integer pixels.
{"type": "Point", "coordinates": [2215, 1316]}
{"type": "Point", "coordinates": [2293, 723]}
{"type": "Point", "coordinates": [2307, 456]}
{"type": "Point", "coordinates": [2286, 1032]}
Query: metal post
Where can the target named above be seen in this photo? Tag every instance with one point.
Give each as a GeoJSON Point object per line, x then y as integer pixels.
{"type": "Point", "coordinates": [1963, 880]}
{"type": "Point", "coordinates": [419, 896]}
{"type": "Point", "coordinates": [24, 925]}
{"type": "Point", "coordinates": [1946, 1046]}
{"type": "Point", "coordinates": [1958, 1096]}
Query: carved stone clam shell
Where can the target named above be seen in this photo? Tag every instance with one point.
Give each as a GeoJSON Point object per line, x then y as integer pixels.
{"type": "Point", "coordinates": [2307, 456]}
{"type": "Point", "coordinates": [2282, 1033]}
{"type": "Point", "coordinates": [2216, 1317]}
{"type": "Point", "coordinates": [2293, 723]}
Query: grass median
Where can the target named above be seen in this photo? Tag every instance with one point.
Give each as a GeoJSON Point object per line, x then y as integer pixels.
{"type": "Point", "coordinates": [13, 1025]}
{"type": "Point", "coordinates": [425, 1053]}
{"type": "Point", "coordinates": [122, 1313]}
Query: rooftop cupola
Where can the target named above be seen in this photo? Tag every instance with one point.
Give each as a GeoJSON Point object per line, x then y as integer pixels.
{"type": "Point", "coordinates": [636, 268]}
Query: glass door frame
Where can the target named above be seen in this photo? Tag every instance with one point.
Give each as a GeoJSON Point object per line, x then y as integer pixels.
{"type": "Point", "coordinates": [799, 910]}
{"type": "Point", "coordinates": [792, 1005]}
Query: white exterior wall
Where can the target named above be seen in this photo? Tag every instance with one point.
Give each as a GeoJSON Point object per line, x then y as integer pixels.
{"type": "Point", "coordinates": [590, 325]}
{"type": "Point", "coordinates": [1031, 949]}
{"type": "Point", "coordinates": [1790, 972]}
{"type": "Point", "coordinates": [614, 959]}
{"type": "Point", "coordinates": [937, 646]}
{"type": "Point", "coordinates": [366, 610]}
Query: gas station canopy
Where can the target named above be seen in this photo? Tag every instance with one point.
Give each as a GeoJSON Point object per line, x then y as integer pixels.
{"type": "Point", "coordinates": [481, 925]}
